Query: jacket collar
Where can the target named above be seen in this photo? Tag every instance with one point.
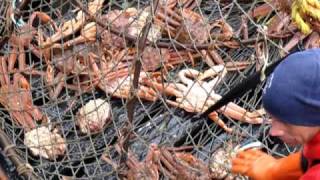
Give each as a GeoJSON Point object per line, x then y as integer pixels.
{"type": "Point", "coordinates": [311, 150]}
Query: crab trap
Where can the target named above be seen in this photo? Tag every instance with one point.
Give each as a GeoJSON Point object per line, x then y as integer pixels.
{"type": "Point", "coordinates": [102, 89]}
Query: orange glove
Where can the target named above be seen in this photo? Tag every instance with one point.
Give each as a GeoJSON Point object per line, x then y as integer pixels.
{"type": "Point", "coordinates": [260, 166]}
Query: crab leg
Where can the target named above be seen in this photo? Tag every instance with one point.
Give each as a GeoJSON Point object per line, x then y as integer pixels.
{"type": "Point", "coordinates": [4, 73]}
{"type": "Point", "coordinates": [73, 25]}
{"type": "Point", "coordinates": [54, 92]}
{"type": "Point", "coordinates": [298, 36]}
{"type": "Point", "coordinates": [211, 57]}
{"type": "Point", "coordinates": [190, 4]}
{"type": "Point", "coordinates": [164, 15]}
{"type": "Point", "coordinates": [12, 59]}
{"type": "Point", "coordinates": [236, 112]}
{"type": "Point", "coordinates": [23, 68]}
{"type": "Point", "coordinates": [167, 160]}
{"type": "Point", "coordinates": [226, 31]}
{"type": "Point", "coordinates": [44, 18]}
{"type": "Point", "coordinates": [19, 82]}
{"type": "Point", "coordinates": [22, 58]}
{"type": "Point", "coordinates": [237, 65]}
{"type": "Point", "coordinates": [214, 116]}
{"type": "Point", "coordinates": [261, 11]}
{"type": "Point", "coordinates": [277, 23]}
{"type": "Point", "coordinates": [233, 113]}
{"type": "Point", "coordinates": [313, 41]}
{"type": "Point", "coordinates": [3, 79]}
{"type": "Point", "coordinates": [88, 34]}
{"type": "Point", "coordinates": [243, 29]}
{"type": "Point", "coordinates": [147, 93]}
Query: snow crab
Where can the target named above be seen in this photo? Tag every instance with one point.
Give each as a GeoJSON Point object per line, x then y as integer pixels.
{"type": "Point", "coordinates": [187, 26]}
{"type": "Point", "coordinates": [187, 4]}
{"type": "Point", "coordinates": [196, 95]}
{"type": "Point", "coordinates": [131, 21]}
{"type": "Point", "coordinates": [152, 58]}
{"type": "Point", "coordinates": [220, 162]}
{"type": "Point", "coordinates": [93, 116]}
{"type": "Point", "coordinates": [48, 144]}
{"type": "Point", "coordinates": [78, 63]}
{"type": "Point", "coordinates": [148, 169]}
{"type": "Point", "coordinates": [170, 162]}
{"type": "Point", "coordinates": [182, 165]}
{"type": "Point", "coordinates": [281, 24]}
{"type": "Point", "coordinates": [72, 26]}
{"type": "Point", "coordinates": [26, 37]}
{"type": "Point", "coordinates": [17, 99]}
{"type": "Point", "coordinates": [118, 84]}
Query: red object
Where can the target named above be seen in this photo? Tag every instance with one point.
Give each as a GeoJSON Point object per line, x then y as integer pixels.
{"type": "Point", "coordinates": [311, 151]}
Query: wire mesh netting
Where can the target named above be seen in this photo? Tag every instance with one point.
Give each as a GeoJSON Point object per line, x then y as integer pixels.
{"type": "Point", "coordinates": [110, 89]}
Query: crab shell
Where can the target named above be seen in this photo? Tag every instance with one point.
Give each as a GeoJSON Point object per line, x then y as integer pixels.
{"type": "Point", "coordinates": [220, 163]}
{"type": "Point", "coordinates": [139, 21]}
{"type": "Point", "coordinates": [93, 116]}
{"type": "Point", "coordinates": [41, 141]}
{"type": "Point", "coordinates": [132, 22]}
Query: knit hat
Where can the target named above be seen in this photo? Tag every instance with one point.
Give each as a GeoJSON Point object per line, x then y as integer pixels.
{"type": "Point", "coordinates": [292, 92]}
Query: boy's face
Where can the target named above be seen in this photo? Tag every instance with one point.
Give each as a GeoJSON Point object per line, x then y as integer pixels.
{"type": "Point", "coordinates": [292, 134]}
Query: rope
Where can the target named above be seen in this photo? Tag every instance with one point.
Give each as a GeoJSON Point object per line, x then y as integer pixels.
{"type": "Point", "coordinates": [24, 169]}
{"type": "Point", "coordinates": [300, 9]}
{"type": "Point", "coordinates": [5, 150]}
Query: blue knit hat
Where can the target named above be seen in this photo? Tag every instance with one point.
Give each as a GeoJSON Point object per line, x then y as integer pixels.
{"type": "Point", "coordinates": [292, 92]}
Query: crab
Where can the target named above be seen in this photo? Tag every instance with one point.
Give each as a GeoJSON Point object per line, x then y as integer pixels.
{"type": "Point", "coordinates": [108, 40]}
{"type": "Point", "coordinates": [280, 25]}
{"type": "Point", "coordinates": [220, 162]}
{"type": "Point", "coordinates": [148, 169]}
{"type": "Point", "coordinates": [186, 26]}
{"type": "Point", "coordinates": [131, 21]}
{"type": "Point", "coordinates": [17, 99]}
{"type": "Point", "coordinates": [197, 95]}
{"type": "Point", "coordinates": [183, 165]}
{"type": "Point", "coordinates": [188, 4]}
{"type": "Point", "coordinates": [93, 116]}
{"type": "Point", "coordinates": [118, 84]}
{"type": "Point", "coordinates": [45, 143]}
{"type": "Point", "coordinates": [26, 37]}
{"type": "Point", "coordinates": [127, 21]}
{"type": "Point", "coordinates": [212, 58]}
{"type": "Point", "coordinates": [88, 34]}
{"type": "Point", "coordinates": [74, 62]}
{"type": "Point", "coordinates": [27, 34]}
{"type": "Point", "coordinates": [152, 58]}
{"type": "Point", "coordinates": [72, 26]}
{"type": "Point", "coordinates": [168, 162]}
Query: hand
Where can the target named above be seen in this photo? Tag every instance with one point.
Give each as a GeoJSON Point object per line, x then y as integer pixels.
{"type": "Point", "coordinates": [255, 164]}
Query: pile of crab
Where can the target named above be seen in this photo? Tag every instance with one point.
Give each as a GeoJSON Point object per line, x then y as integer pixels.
{"type": "Point", "coordinates": [285, 24]}
{"type": "Point", "coordinates": [97, 51]}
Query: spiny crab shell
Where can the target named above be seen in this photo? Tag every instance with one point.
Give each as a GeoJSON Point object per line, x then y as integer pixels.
{"type": "Point", "coordinates": [41, 141]}
{"type": "Point", "coordinates": [139, 21]}
{"type": "Point", "coordinates": [132, 21]}
{"type": "Point", "coordinates": [93, 116]}
{"type": "Point", "coordinates": [220, 164]}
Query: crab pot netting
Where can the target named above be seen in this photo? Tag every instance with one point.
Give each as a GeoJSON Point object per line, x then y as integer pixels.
{"type": "Point", "coordinates": [103, 151]}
